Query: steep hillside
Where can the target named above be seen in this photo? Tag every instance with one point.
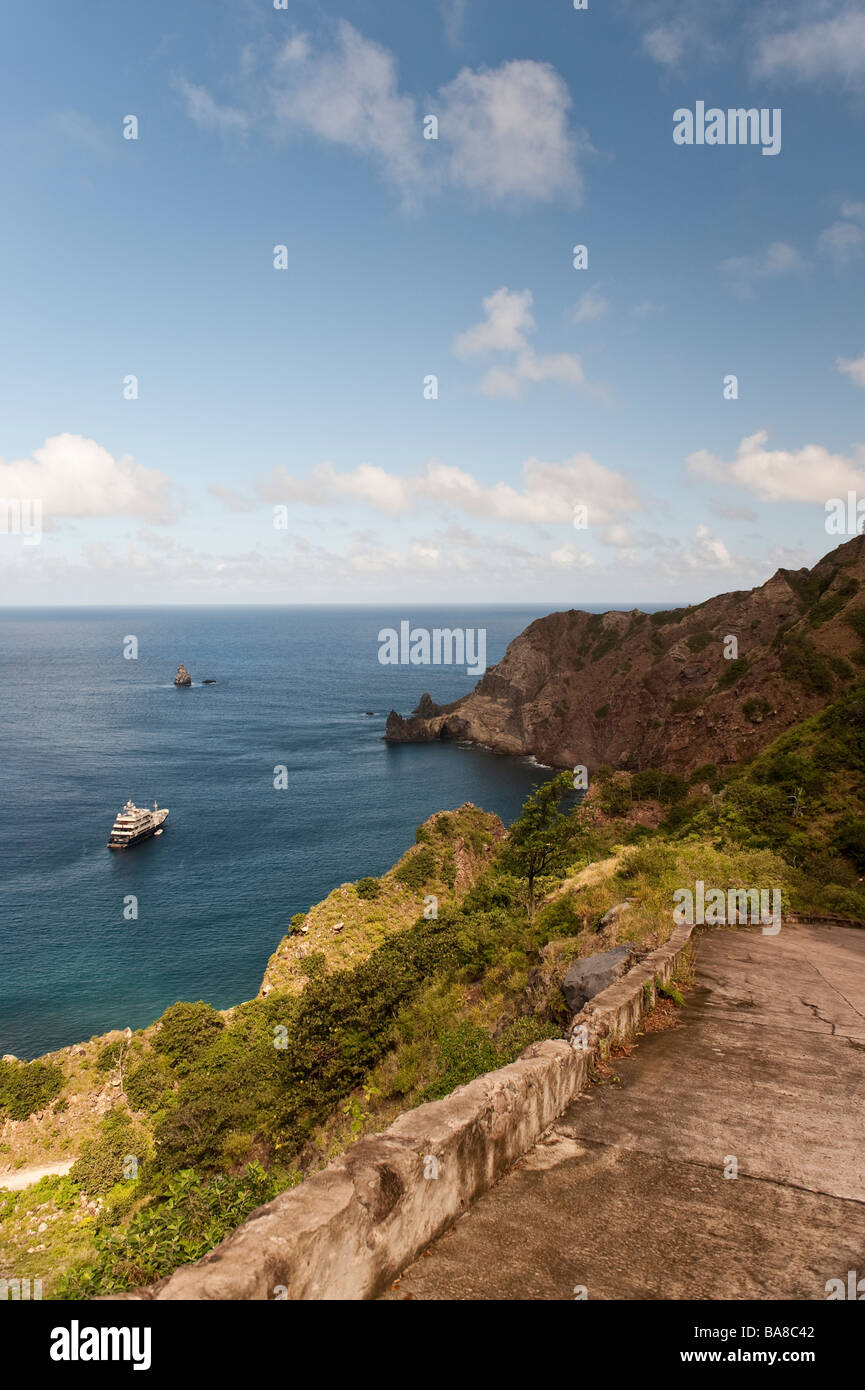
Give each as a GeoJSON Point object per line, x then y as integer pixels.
{"type": "Point", "coordinates": [452, 848]}
{"type": "Point", "coordinates": [636, 690]}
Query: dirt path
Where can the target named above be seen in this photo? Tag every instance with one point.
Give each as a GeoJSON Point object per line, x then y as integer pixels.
{"type": "Point", "coordinates": [25, 1177]}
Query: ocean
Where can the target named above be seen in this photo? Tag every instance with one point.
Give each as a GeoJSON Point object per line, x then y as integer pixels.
{"type": "Point", "coordinates": [84, 729]}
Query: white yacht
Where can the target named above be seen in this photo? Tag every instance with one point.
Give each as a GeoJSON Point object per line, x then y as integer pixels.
{"type": "Point", "coordinates": [134, 824]}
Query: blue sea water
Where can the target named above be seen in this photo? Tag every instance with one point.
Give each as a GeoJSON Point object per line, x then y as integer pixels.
{"type": "Point", "coordinates": [83, 729]}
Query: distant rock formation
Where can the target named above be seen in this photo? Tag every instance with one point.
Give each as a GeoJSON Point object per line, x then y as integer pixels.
{"type": "Point", "coordinates": [183, 677]}
{"type": "Point", "coordinates": [672, 689]}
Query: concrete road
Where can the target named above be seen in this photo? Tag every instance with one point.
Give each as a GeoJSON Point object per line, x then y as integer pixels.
{"type": "Point", "coordinates": [627, 1196]}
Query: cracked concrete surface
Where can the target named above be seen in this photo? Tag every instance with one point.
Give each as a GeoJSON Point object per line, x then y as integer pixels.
{"type": "Point", "coordinates": [627, 1197]}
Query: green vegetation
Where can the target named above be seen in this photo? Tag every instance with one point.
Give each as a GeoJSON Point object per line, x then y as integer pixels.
{"type": "Point", "coordinates": [733, 672]}
{"type": "Point", "coordinates": [185, 1218]}
{"type": "Point", "coordinates": [417, 869]}
{"type": "Point", "coordinates": [218, 1114]}
{"type": "Point", "coordinates": [185, 1032]}
{"type": "Point", "coordinates": [542, 840]}
{"type": "Point", "coordinates": [756, 708]}
{"type": "Point", "coordinates": [368, 888]}
{"type": "Point", "coordinates": [802, 663]}
{"type": "Point", "coordinates": [112, 1155]}
{"type": "Point", "coordinates": [686, 702]}
{"type": "Point", "coordinates": [26, 1087]}
{"type": "Point", "coordinates": [831, 605]}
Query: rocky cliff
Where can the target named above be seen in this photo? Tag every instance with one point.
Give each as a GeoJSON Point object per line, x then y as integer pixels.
{"type": "Point", "coordinates": [667, 689]}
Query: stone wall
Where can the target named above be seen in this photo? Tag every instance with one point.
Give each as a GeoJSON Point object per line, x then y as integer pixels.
{"type": "Point", "coordinates": [350, 1229]}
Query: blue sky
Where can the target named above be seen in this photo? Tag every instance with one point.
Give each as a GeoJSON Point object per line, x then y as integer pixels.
{"type": "Point", "coordinates": [303, 388]}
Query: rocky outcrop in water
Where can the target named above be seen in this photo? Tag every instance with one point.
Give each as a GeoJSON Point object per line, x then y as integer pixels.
{"type": "Point", "coordinates": [711, 683]}
{"type": "Point", "coordinates": [183, 677]}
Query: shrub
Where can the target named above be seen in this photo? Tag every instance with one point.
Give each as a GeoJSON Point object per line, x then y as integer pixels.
{"type": "Point", "coordinates": [101, 1162]}
{"type": "Point", "coordinates": [856, 619]}
{"type": "Point", "coordinates": [467, 1051]}
{"type": "Point", "coordinates": [651, 784]}
{"type": "Point", "coordinates": [801, 662]}
{"type": "Point", "coordinates": [368, 888]}
{"type": "Point", "coordinates": [756, 708]}
{"type": "Point", "coordinates": [602, 711]}
{"type": "Point", "coordinates": [185, 1031]}
{"type": "Point", "coordinates": [734, 671]}
{"type": "Point", "coordinates": [849, 840]}
{"type": "Point", "coordinates": [687, 702]}
{"type": "Point", "coordinates": [615, 799]}
{"type": "Point", "coordinates": [417, 869]}
{"type": "Point", "coordinates": [26, 1087]}
{"type": "Point", "coordinates": [186, 1219]}
{"type": "Point", "coordinates": [149, 1085]}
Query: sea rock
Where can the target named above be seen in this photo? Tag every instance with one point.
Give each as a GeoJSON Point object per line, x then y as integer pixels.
{"type": "Point", "coordinates": [209, 682]}
{"type": "Point", "coordinates": [183, 677]}
{"type": "Point", "coordinates": [589, 976]}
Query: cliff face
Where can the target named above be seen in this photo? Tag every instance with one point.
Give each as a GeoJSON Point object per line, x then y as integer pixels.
{"type": "Point", "coordinates": [637, 690]}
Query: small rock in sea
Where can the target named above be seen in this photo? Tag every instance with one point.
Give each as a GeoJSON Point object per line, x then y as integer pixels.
{"type": "Point", "coordinates": [369, 713]}
{"type": "Point", "coordinates": [183, 677]}
{"type": "Point", "coordinates": [209, 682]}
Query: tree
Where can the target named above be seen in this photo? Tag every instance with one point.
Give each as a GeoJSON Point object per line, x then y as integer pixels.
{"type": "Point", "coordinates": [541, 840]}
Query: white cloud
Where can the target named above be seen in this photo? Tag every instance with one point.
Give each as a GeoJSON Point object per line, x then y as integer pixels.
{"type": "Point", "coordinates": [385, 492]}
{"type": "Point", "coordinates": [809, 474]}
{"type": "Point", "coordinates": [549, 494]}
{"type": "Point", "coordinates": [665, 43]}
{"type": "Point", "coordinates": [707, 552]}
{"type": "Point", "coordinates": [827, 50]}
{"type": "Point", "coordinates": [507, 320]}
{"type": "Point", "coordinates": [775, 260]}
{"type": "Point", "coordinates": [562, 367]}
{"type": "Point", "coordinates": [349, 95]}
{"type": "Point", "coordinates": [844, 240]}
{"type": "Point", "coordinates": [453, 14]}
{"type": "Point", "coordinates": [568, 557]}
{"type": "Point", "coordinates": [854, 368]}
{"type": "Point", "coordinates": [234, 501]}
{"type": "Point", "coordinates": [76, 477]}
{"type": "Point", "coordinates": [208, 114]}
{"type": "Point", "coordinates": [506, 132]}
{"type": "Point", "coordinates": [590, 305]}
